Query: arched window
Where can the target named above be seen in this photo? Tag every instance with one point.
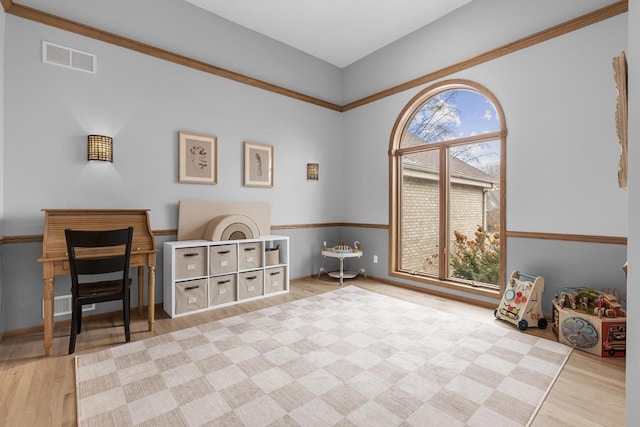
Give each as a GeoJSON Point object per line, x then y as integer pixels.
{"type": "Point", "coordinates": [447, 159]}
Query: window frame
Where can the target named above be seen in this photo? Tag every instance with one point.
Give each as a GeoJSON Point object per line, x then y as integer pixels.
{"type": "Point", "coordinates": [395, 184]}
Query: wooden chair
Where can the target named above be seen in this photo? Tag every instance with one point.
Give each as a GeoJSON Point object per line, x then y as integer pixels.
{"type": "Point", "coordinates": [99, 265]}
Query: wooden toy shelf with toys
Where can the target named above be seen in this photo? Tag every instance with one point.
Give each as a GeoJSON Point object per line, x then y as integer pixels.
{"type": "Point", "coordinates": [590, 321]}
{"type": "Point", "coordinates": [521, 302]}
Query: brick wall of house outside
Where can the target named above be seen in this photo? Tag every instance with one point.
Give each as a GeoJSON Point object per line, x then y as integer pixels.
{"type": "Point", "coordinates": [420, 220]}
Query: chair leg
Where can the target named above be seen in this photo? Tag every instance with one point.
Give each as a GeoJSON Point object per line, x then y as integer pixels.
{"type": "Point", "coordinates": [126, 308]}
{"type": "Point", "coordinates": [79, 310]}
{"type": "Point", "coordinates": [74, 328]}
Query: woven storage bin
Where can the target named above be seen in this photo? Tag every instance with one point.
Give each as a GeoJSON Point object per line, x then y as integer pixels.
{"type": "Point", "coordinates": [272, 256]}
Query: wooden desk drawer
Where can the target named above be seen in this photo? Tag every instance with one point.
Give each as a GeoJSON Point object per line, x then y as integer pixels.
{"type": "Point", "coordinates": [251, 284]}
{"type": "Point", "coordinates": [61, 267]}
{"type": "Point", "coordinates": [223, 259]}
{"type": "Point", "coordinates": [191, 262]}
{"type": "Point", "coordinates": [250, 255]}
{"type": "Point", "coordinates": [222, 289]}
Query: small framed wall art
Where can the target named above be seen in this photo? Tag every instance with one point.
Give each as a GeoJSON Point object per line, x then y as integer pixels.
{"type": "Point", "coordinates": [258, 165]}
{"type": "Point", "coordinates": [198, 158]}
{"type": "Point", "coordinates": [622, 126]}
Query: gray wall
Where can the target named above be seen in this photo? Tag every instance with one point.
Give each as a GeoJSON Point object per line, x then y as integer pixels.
{"type": "Point", "coordinates": [479, 26]}
{"type": "Point", "coordinates": [590, 265]}
{"type": "Point", "coordinates": [561, 168]}
{"type": "Point", "coordinates": [2, 39]}
{"type": "Point", "coordinates": [633, 341]}
{"type": "Point", "coordinates": [143, 102]}
{"type": "Point", "coordinates": [182, 28]}
{"type": "Point", "coordinates": [562, 152]}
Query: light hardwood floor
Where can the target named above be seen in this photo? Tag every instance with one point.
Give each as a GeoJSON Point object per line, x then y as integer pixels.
{"type": "Point", "coordinates": [40, 391]}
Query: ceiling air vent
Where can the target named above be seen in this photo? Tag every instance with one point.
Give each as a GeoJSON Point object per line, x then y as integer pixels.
{"type": "Point", "coordinates": [69, 58]}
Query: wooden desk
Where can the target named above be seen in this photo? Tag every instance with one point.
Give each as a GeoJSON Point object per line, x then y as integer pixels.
{"type": "Point", "coordinates": [55, 260]}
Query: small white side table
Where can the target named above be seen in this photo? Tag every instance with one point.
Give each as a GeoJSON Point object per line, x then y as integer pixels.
{"type": "Point", "coordinates": [341, 274]}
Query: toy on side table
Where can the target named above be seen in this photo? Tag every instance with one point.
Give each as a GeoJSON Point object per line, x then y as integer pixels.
{"type": "Point", "coordinates": [521, 302]}
{"type": "Point", "coordinates": [590, 321]}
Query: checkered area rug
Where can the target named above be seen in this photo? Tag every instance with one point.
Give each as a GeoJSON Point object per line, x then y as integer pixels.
{"type": "Point", "coordinates": [349, 357]}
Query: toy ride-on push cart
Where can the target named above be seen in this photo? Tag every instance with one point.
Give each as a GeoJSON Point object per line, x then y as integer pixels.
{"type": "Point", "coordinates": [521, 302]}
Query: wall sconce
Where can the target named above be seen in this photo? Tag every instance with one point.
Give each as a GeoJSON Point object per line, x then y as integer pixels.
{"type": "Point", "coordinates": [312, 171]}
{"type": "Point", "coordinates": [100, 147]}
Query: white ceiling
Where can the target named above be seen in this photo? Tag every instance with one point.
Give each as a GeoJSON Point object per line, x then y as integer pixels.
{"type": "Point", "coordinates": [337, 31]}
